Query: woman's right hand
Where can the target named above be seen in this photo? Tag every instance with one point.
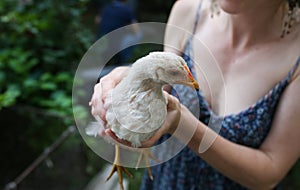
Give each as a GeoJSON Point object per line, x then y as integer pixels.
{"type": "Point", "coordinates": [106, 84]}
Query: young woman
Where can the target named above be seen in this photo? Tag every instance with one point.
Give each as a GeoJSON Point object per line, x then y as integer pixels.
{"type": "Point", "coordinates": [256, 47]}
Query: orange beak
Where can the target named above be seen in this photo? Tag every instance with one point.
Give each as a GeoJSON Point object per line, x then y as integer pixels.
{"type": "Point", "coordinates": [192, 82]}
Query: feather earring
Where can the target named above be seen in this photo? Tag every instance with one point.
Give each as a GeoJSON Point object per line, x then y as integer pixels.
{"type": "Point", "coordinates": [214, 8]}
{"type": "Point", "coordinates": [290, 18]}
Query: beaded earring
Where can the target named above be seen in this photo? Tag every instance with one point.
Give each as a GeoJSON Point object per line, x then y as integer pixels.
{"type": "Point", "coordinates": [214, 8]}
{"type": "Point", "coordinates": [290, 18]}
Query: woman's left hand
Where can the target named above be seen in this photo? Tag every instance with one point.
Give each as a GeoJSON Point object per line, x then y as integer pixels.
{"type": "Point", "coordinates": [171, 122]}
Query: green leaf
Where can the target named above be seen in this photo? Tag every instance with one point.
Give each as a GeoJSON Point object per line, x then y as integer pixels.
{"type": "Point", "coordinates": [9, 96]}
{"type": "Point", "coordinates": [30, 83]}
{"type": "Point", "coordinates": [48, 86]}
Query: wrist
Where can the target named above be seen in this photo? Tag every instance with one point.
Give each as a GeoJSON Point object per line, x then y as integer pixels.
{"type": "Point", "coordinates": [187, 125]}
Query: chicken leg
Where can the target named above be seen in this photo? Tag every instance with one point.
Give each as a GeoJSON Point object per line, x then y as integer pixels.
{"type": "Point", "coordinates": [146, 154]}
{"type": "Point", "coordinates": [118, 168]}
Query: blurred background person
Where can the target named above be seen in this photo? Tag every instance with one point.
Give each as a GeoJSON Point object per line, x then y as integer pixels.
{"type": "Point", "coordinates": [115, 15]}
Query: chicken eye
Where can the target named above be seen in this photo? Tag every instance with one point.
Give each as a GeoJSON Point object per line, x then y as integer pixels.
{"type": "Point", "coordinates": [173, 72]}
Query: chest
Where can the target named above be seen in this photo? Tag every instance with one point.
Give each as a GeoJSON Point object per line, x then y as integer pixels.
{"type": "Point", "coordinates": [232, 82]}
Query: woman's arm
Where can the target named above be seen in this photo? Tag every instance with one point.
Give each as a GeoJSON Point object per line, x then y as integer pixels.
{"type": "Point", "coordinates": [261, 168]}
{"type": "Point", "coordinates": [178, 29]}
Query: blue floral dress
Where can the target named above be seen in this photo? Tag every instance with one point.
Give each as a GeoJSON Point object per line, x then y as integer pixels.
{"type": "Point", "coordinates": [187, 171]}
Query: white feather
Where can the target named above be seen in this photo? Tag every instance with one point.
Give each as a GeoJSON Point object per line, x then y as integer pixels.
{"type": "Point", "coordinates": [94, 128]}
{"type": "Point", "coordinates": [137, 107]}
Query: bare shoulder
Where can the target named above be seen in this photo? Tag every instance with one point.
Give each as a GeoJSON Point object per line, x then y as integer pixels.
{"type": "Point", "coordinates": [187, 9]}
{"type": "Point", "coordinates": [183, 13]}
{"type": "Point", "coordinates": [185, 5]}
{"type": "Point", "coordinates": [181, 21]}
{"type": "Point", "coordinates": [180, 24]}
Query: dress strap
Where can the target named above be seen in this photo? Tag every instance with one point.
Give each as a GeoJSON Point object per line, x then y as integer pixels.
{"type": "Point", "coordinates": [197, 17]}
{"type": "Point", "coordinates": [188, 51]}
{"type": "Point", "coordinates": [292, 71]}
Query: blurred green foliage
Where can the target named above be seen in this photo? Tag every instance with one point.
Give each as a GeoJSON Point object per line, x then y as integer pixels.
{"type": "Point", "coordinates": [41, 44]}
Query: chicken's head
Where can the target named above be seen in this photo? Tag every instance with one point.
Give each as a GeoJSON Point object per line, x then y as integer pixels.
{"type": "Point", "coordinates": [166, 68]}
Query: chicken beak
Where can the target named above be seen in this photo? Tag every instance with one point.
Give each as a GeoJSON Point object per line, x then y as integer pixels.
{"type": "Point", "coordinates": [191, 80]}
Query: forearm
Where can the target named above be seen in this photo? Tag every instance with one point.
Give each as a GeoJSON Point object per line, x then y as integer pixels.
{"type": "Point", "coordinates": [250, 167]}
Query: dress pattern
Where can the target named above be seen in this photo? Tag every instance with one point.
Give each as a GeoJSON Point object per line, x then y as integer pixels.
{"type": "Point", "coordinates": [187, 171]}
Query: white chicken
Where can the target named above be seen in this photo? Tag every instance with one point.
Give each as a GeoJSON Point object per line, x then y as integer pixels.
{"type": "Point", "coordinates": [137, 107]}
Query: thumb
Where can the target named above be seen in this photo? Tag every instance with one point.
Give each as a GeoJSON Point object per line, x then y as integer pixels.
{"type": "Point", "coordinates": [172, 101]}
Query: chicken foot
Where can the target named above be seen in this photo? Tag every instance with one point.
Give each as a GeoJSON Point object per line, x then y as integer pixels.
{"type": "Point", "coordinates": [146, 154]}
{"type": "Point", "coordinates": [118, 168]}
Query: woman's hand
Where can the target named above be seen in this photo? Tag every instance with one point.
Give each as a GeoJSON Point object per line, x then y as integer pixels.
{"type": "Point", "coordinates": [106, 84]}
{"type": "Point", "coordinates": [171, 122]}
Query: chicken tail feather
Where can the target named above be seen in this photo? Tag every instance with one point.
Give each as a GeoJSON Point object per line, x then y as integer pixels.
{"type": "Point", "coordinates": [94, 128]}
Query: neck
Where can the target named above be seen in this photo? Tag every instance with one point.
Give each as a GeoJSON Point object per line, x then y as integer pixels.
{"type": "Point", "coordinates": [144, 83]}
{"type": "Point", "coordinates": [259, 24]}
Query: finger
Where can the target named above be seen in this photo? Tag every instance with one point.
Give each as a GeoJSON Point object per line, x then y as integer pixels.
{"type": "Point", "coordinates": [152, 140]}
{"type": "Point", "coordinates": [96, 102]}
{"type": "Point", "coordinates": [108, 100]}
{"type": "Point", "coordinates": [96, 107]}
{"type": "Point", "coordinates": [173, 102]}
{"type": "Point", "coordinates": [106, 86]}
{"type": "Point", "coordinates": [99, 113]}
